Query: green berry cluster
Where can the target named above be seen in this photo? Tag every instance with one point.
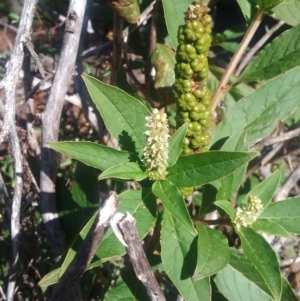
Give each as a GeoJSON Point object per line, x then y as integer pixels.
{"type": "Point", "coordinates": [191, 70]}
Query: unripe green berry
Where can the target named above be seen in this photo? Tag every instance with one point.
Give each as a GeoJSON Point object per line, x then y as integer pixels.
{"type": "Point", "coordinates": [195, 115]}
{"type": "Point", "coordinates": [193, 97]}
{"type": "Point", "coordinates": [196, 127]}
{"type": "Point", "coordinates": [184, 70]}
{"type": "Point", "coordinates": [199, 107]}
{"type": "Point", "coordinates": [200, 92]}
{"type": "Point", "coordinates": [197, 65]}
{"type": "Point", "coordinates": [206, 100]}
{"type": "Point", "coordinates": [184, 114]}
{"type": "Point", "coordinates": [206, 20]}
{"type": "Point", "coordinates": [180, 35]}
{"type": "Point", "coordinates": [186, 101]}
{"type": "Point", "coordinates": [183, 85]}
{"type": "Point", "coordinates": [202, 45]}
{"type": "Point", "coordinates": [205, 123]}
{"type": "Point", "coordinates": [203, 73]}
{"type": "Point", "coordinates": [186, 52]}
{"type": "Point", "coordinates": [185, 152]}
{"type": "Point", "coordinates": [194, 30]}
{"type": "Point", "coordinates": [186, 191]}
{"type": "Point", "coordinates": [185, 142]}
{"type": "Point", "coordinates": [195, 143]}
{"type": "Point", "coordinates": [186, 120]}
{"type": "Point", "coordinates": [206, 114]}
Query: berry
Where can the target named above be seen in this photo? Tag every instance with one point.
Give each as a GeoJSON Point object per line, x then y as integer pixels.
{"type": "Point", "coordinates": [186, 52]}
{"type": "Point", "coordinates": [193, 30]}
{"type": "Point", "coordinates": [184, 70]}
{"type": "Point", "coordinates": [191, 70]}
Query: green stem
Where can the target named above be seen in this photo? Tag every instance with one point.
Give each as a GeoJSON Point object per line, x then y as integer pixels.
{"type": "Point", "coordinates": [235, 59]}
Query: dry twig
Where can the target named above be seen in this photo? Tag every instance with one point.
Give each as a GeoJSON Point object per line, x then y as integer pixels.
{"type": "Point", "coordinates": [86, 251]}
{"type": "Point", "coordinates": [283, 191]}
{"type": "Point", "coordinates": [257, 46]}
{"type": "Point", "coordinates": [125, 230]}
{"type": "Point", "coordinates": [51, 121]}
{"type": "Point", "coordinates": [9, 84]}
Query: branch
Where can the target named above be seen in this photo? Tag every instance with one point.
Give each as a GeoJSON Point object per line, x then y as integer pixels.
{"type": "Point", "coordinates": [9, 129]}
{"type": "Point", "coordinates": [51, 121]}
{"type": "Point", "coordinates": [283, 192]}
{"type": "Point", "coordinates": [86, 251]}
{"type": "Point", "coordinates": [235, 60]}
{"type": "Point", "coordinates": [257, 46]}
{"type": "Point", "coordinates": [124, 229]}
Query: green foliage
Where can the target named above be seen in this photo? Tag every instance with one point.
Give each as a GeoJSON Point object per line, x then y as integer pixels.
{"type": "Point", "coordinates": [174, 15]}
{"type": "Point", "coordinates": [190, 254]}
{"type": "Point", "coordinates": [202, 168]}
{"type": "Point", "coordinates": [128, 9]}
{"type": "Point", "coordinates": [281, 55]}
{"type": "Point", "coordinates": [258, 112]}
{"type": "Point", "coordinates": [249, 281]}
{"type": "Point", "coordinates": [260, 253]}
{"type": "Point", "coordinates": [121, 114]}
{"type": "Point", "coordinates": [213, 252]}
{"type": "Point", "coordinates": [287, 11]}
{"type": "Point", "coordinates": [179, 257]}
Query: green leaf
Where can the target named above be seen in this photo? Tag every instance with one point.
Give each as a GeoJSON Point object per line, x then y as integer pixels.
{"type": "Point", "coordinates": [201, 168]}
{"type": "Point", "coordinates": [258, 112]}
{"type": "Point", "coordinates": [259, 252]}
{"type": "Point", "coordinates": [93, 154]}
{"type": "Point", "coordinates": [264, 4]}
{"type": "Point", "coordinates": [279, 56]}
{"type": "Point", "coordinates": [125, 171]}
{"type": "Point", "coordinates": [174, 15]}
{"type": "Point", "coordinates": [213, 252]}
{"type": "Point", "coordinates": [240, 280]}
{"type": "Point", "coordinates": [266, 189]}
{"type": "Point", "coordinates": [140, 203]}
{"type": "Point", "coordinates": [123, 84]}
{"type": "Point", "coordinates": [179, 257]}
{"type": "Point", "coordinates": [173, 201]}
{"type": "Point", "coordinates": [288, 11]}
{"type": "Point", "coordinates": [123, 115]}
{"type": "Point", "coordinates": [163, 60]}
{"type": "Point", "coordinates": [76, 244]}
{"type": "Point", "coordinates": [71, 217]}
{"type": "Point", "coordinates": [285, 214]}
{"type": "Point", "coordinates": [232, 182]}
{"type": "Point", "coordinates": [51, 278]}
{"type": "Point", "coordinates": [271, 227]}
{"type": "Point", "coordinates": [127, 9]}
{"type": "Point", "coordinates": [127, 287]}
{"type": "Point", "coordinates": [287, 292]}
{"type": "Point", "coordinates": [208, 197]}
{"type": "Point", "coordinates": [229, 46]}
{"type": "Point", "coordinates": [227, 207]}
{"type": "Point", "coordinates": [246, 8]}
{"type": "Point", "coordinates": [175, 143]}
{"type": "Point", "coordinates": [85, 187]}
{"type": "Point", "coordinates": [236, 93]}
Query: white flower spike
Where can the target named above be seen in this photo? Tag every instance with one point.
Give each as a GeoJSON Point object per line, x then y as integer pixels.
{"type": "Point", "coordinates": [248, 213]}
{"type": "Point", "coordinates": [156, 152]}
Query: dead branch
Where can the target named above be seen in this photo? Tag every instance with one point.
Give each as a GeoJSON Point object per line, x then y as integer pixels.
{"type": "Point", "coordinates": [126, 232]}
{"type": "Point", "coordinates": [51, 122]}
{"type": "Point", "coordinates": [9, 129]}
{"type": "Point", "coordinates": [86, 251]}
